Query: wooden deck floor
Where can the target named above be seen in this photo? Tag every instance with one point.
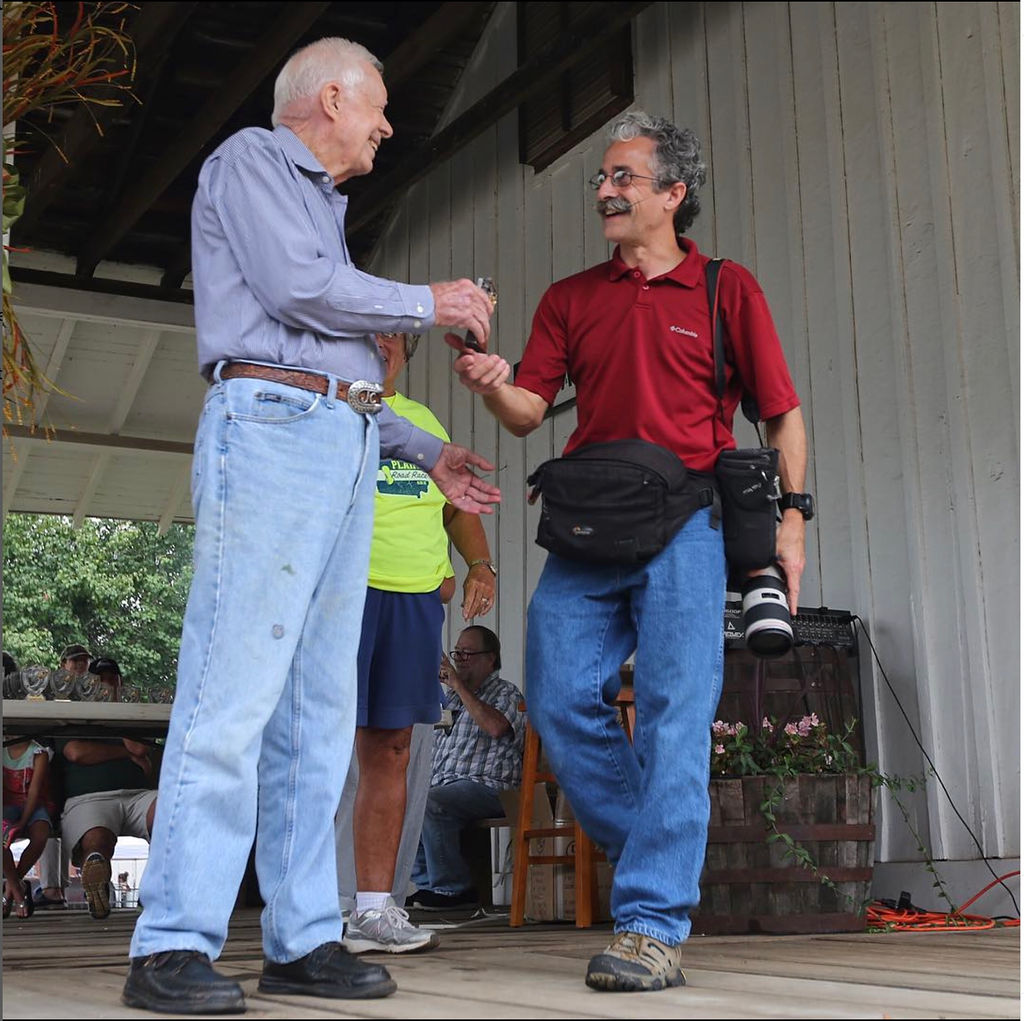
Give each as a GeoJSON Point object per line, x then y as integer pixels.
{"type": "Point", "coordinates": [66, 965]}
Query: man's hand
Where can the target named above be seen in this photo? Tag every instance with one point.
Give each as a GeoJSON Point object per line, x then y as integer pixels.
{"type": "Point", "coordinates": [460, 303]}
{"type": "Point", "coordinates": [477, 592]}
{"type": "Point", "coordinates": [464, 490]}
{"type": "Point", "coordinates": [481, 373]}
{"type": "Point", "coordinates": [789, 551]}
{"type": "Point", "coordinates": [139, 754]}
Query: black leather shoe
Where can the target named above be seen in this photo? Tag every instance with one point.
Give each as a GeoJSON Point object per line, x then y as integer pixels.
{"type": "Point", "coordinates": [329, 971]}
{"type": "Point", "coordinates": [181, 982]}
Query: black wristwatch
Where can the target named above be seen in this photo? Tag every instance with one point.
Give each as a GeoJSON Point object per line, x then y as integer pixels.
{"type": "Point", "coordinates": [802, 502]}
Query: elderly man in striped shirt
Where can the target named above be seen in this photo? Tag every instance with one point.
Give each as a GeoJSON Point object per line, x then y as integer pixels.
{"type": "Point", "coordinates": [481, 755]}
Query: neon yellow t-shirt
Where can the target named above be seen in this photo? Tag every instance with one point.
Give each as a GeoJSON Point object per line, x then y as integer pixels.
{"type": "Point", "coordinates": [409, 552]}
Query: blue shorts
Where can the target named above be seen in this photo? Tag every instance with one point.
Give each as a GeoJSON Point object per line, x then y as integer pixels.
{"type": "Point", "coordinates": [399, 657]}
{"type": "Point", "coordinates": [12, 813]}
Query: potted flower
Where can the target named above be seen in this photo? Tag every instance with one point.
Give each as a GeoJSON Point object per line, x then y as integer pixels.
{"type": "Point", "coordinates": [791, 836]}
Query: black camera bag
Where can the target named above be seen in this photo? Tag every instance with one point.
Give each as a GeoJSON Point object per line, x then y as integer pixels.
{"type": "Point", "coordinates": [618, 502]}
{"type": "Point", "coordinates": [748, 480]}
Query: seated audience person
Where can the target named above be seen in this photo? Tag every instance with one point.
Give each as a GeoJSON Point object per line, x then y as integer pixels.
{"type": "Point", "coordinates": [53, 864]}
{"type": "Point", "coordinates": [109, 785]}
{"type": "Point", "coordinates": [26, 814]}
{"type": "Point", "coordinates": [481, 755]}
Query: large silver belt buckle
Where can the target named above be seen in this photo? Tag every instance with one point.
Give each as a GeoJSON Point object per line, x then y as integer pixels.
{"type": "Point", "coordinates": [364, 397]}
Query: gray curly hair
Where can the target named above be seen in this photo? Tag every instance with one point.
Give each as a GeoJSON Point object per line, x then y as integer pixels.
{"type": "Point", "coordinates": [676, 158]}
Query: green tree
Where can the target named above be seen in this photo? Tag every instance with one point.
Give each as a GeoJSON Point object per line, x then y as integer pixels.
{"type": "Point", "coordinates": [117, 586]}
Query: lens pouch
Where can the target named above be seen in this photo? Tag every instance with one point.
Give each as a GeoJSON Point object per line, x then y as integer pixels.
{"type": "Point", "coordinates": [748, 481]}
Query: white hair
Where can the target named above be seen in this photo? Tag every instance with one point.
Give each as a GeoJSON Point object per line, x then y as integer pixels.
{"type": "Point", "coordinates": [308, 70]}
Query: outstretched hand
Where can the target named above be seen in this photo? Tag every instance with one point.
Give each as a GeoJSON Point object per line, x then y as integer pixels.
{"type": "Point", "coordinates": [464, 490]}
{"type": "Point", "coordinates": [480, 372]}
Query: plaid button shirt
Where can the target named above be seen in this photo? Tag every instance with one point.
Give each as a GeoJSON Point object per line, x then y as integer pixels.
{"type": "Point", "coordinates": [467, 752]}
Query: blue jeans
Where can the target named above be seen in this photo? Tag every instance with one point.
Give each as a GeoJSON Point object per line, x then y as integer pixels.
{"type": "Point", "coordinates": [451, 807]}
{"type": "Point", "coordinates": [647, 804]}
{"type": "Point", "coordinates": [264, 714]}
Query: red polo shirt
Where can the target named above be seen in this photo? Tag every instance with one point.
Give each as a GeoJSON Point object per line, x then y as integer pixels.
{"type": "Point", "coordinates": [640, 353]}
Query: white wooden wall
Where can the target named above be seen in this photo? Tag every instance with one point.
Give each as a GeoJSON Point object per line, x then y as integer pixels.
{"type": "Point", "coordinates": [864, 165]}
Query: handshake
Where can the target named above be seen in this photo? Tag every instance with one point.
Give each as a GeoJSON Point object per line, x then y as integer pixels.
{"type": "Point", "coordinates": [470, 306]}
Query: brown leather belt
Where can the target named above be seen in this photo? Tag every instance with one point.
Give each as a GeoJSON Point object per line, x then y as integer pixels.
{"type": "Point", "coordinates": [362, 396]}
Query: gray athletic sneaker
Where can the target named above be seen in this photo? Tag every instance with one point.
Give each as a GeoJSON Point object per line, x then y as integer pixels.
{"type": "Point", "coordinates": [387, 929]}
{"type": "Point", "coordinates": [96, 884]}
{"type": "Point", "coordinates": [635, 963]}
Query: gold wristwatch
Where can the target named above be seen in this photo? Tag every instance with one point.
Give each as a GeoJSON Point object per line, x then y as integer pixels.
{"type": "Point", "coordinates": [487, 563]}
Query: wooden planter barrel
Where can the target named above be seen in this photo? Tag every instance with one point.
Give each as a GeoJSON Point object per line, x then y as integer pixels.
{"type": "Point", "coordinates": [750, 885]}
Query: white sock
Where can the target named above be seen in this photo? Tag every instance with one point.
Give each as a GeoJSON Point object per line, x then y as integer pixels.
{"type": "Point", "coordinates": [371, 901]}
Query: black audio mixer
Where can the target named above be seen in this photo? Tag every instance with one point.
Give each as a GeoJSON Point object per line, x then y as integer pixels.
{"type": "Point", "coordinates": [811, 626]}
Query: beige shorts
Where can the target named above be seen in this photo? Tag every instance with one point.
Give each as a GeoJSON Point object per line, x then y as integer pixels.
{"type": "Point", "coordinates": [121, 812]}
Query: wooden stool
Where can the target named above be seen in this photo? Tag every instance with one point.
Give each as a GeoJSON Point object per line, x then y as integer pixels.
{"type": "Point", "coordinates": [585, 853]}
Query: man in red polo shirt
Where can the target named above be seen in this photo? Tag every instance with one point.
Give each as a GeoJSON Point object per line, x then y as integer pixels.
{"type": "Point", "coordinates": [634, 334]}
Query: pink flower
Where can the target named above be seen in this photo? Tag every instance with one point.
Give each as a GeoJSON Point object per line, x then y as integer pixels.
{"type": "Point", "coordinates": [719, 749]}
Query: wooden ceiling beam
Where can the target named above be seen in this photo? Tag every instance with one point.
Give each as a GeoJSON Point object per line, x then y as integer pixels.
{"type": "Point", "coordinates": [60, 348]}
{"type": "Point", "coordinates": [152, 31]}
{"type": "Point", "coordinates": [558, 56]}
{"type": "Point", "coordinates": [12, 476]}
{"type": "Point", "coordinates": [177, 494]}
{"type": "Point", "coordinates": [275, 43]}
{"type": "Point", "coordinates": [447, 22]}
{"type": "Point", "coordinates": [49, 294]}
{"type": "Point", "coordinates": [177, 268]}
{"type": "Point", "coordinates": [129, 390]}
{"type": "Point", "coordinates": [99, 468]}
{"type": "Point", "coordinates": [100, 441]}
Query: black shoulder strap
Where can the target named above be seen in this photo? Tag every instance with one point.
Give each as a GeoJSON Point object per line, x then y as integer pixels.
{"type": "Point", "coordinates": [749, 402]}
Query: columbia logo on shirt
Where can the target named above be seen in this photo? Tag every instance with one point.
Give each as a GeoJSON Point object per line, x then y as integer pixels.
{"type": "Point", "coordinates": [683, 330]}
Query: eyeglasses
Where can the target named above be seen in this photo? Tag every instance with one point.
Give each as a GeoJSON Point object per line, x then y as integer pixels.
{"type": "Point", "coordinates": [620, 179]}
{"type": "Point", "coordinates": [465, 653]}
{"type": "Point", "coordinates": [411, 340]}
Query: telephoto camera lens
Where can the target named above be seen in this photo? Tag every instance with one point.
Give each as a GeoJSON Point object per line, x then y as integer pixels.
{"type": "Point", "coordinates": [766, 620]}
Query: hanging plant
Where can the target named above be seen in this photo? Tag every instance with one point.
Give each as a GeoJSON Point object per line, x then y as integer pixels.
{"type": "Point", "coordinates": [50, 63]}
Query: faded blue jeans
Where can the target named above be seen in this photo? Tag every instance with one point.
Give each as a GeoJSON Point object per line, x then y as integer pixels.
{"type": "Point", "coordinates": [264, 714]}
{"type": "Point", "coordinates": [645, 805]}
{"type": "Point", "coordinates": [451, 807]}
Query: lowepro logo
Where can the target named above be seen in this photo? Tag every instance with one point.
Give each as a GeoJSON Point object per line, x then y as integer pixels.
{"type": "Point", "coordinates": [685, 332]}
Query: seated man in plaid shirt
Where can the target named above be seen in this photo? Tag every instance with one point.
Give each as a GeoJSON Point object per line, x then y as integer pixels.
{"type": "Point", "coordinates": [481, 755]}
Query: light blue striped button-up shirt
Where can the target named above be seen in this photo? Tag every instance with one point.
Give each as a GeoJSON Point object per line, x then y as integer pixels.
{"type": "Point", "coordinates": [274, 281]}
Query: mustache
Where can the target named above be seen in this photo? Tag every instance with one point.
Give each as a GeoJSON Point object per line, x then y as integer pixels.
{"type": "Point", "coordinates": [616, 204]}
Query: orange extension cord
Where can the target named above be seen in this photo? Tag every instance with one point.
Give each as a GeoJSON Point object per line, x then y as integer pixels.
{"type": "Point", "coordinates": [881, 916]}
